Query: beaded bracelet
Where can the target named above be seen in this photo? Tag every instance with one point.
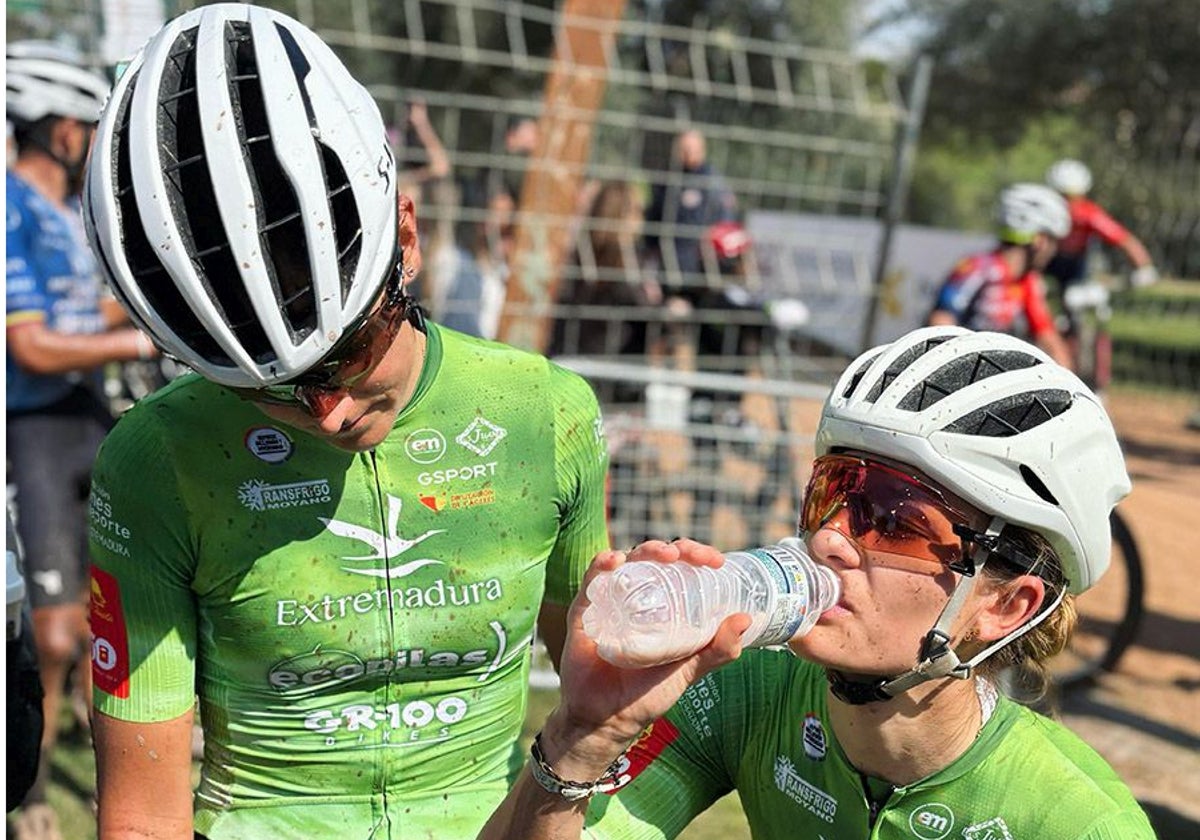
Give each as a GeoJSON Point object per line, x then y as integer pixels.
{"type": "Point", "coordinates": [614, 777]}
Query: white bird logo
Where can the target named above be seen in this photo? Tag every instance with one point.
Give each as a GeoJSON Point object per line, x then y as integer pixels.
{"type": "Point", "coordinates": [393, 545]}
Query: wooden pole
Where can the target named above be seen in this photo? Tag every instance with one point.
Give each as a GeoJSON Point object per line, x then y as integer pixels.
{"type": "Point", "coordinates": [574, 92]}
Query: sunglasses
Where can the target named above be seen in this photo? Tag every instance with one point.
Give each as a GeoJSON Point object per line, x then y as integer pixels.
{"type": "Point", "coordinates": [358, 353]}
{"type": "Point", "coordinates": [888, 510]}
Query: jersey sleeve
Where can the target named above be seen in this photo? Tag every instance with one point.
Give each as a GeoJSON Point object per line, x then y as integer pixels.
{"type": "Point", "coordinates": [24, 297]}
{"type": "Point", "coordinates": [581, 467]}
{"type": "Point", "coordinates": [1105, 226]}
{"type": "Point", "coordinates": [143, 610]}
{"type": "Point", "coordinates": [1037, 310]}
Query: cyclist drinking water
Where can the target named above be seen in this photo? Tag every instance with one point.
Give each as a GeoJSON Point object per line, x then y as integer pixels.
{"type": "Point", "coordinates": [961, 493]}
{"type": "Point", "coordinates": [341, 531]}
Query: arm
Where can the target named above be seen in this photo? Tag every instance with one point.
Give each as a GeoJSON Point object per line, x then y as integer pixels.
{"type": "Point", "coordinates": [942, 318]}
{"type": "Point", "coordinates": [1055, 348]}
{"type": "Point", "coordinates": [439, 161]}
{"type": "Point", "coordinates": [39, 349]}
{"type": "Point", "coordinates": [552, 627]}
{"type": "Point", "coordinates": [603, 708]}
{"type": "Point", "coordinates": [143, 774]}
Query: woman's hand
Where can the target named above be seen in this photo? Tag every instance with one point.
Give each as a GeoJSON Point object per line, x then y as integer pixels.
{"type": "Point", "coordinates": [603, 708]}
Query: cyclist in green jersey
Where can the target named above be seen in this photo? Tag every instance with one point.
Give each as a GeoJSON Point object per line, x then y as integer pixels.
{"type": "Point", "coordinates": [341, 530]}
{"type": "Point", "coordinates": [961, 492]}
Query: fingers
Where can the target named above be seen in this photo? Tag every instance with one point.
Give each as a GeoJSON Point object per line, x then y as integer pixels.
{"type": "Point", "coordinates": [725, 646]}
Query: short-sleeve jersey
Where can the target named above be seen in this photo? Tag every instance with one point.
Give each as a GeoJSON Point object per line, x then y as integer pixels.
{"type": "Point", "coordinates": [50, 277]}
{"type": "Point", "coordinates": [357, 625]}
{"type": "Point", "coordinates": [1089, 220]}
{"type": "Point", "coordinates": [761, 726]}
{"type": "Point", "coordinates": [982, 294]}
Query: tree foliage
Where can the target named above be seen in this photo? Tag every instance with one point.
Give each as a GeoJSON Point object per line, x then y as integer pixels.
{"type": "Point", "coordinates": [1019, 83]}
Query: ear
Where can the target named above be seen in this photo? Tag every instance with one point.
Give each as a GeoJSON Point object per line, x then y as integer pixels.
{"type": "Point", "coordinates": [410, 242]}
{"type": "Point", "coordinates": [1009, 606]}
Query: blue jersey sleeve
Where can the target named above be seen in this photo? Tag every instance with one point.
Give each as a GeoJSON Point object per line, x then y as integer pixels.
{"type": "Point", "coordinates": [23, 292]}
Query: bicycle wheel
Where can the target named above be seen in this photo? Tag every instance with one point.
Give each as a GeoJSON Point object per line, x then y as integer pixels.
{"type": "Point", "coordinates": [1110, 614]}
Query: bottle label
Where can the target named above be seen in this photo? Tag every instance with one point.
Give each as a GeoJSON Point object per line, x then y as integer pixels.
{"type": "Point", "coordinates": [794, 598]}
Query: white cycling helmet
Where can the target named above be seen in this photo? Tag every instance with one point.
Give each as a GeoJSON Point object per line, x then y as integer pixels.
{"type": "Point", "coordinates": [1069, 177]}
{"type": "Point", "coordinates": [1025, 210]}
{"type": "Point", "coordinates": [43, 80]}
{"type": "Point", "coordinates": [242, 195]}
{"type": "Point", "coordinates": [996, 422]}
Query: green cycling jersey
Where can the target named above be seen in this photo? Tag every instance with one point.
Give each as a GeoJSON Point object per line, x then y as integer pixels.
{"type": "Point", "coordinates": [761, 726]}
{"type": "Point", "coordinates": [357, 626]}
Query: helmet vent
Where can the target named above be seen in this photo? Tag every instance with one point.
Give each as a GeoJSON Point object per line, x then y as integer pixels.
{"type": "Point", "coordinates": [193, 201]}
{"type": "Point", "coordinates": [280, 223]}
{"type": "Point", "coordinates": [1013, 415]}
{"type": "Point", "coordinates": [162, 295]}
{"type": "Point", "coordinates": [960, 373]}
{"type": "Point", "coordinates": [1037, 485]}
{"type": "Point", "coordinates": [859, 374]}
{"type": "Point", "coordinates": [898, 366]}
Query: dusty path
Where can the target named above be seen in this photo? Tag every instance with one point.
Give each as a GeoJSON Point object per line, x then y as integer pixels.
{"type": "Point", "coordinates": [1145, 719]}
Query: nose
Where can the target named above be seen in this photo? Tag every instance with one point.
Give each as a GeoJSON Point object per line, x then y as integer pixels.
{"type": "Point", "coordinates": [832, 542]}
{"type": "Point", "coordinates": [329, 408]}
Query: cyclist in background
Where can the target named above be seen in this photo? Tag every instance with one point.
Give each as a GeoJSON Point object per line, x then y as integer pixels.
{"type": "Point", "coordinates": [961, 493]}
{"type": "Point", "coordinates": [60, 329]}
{"type": "Point", "coordinates": [1089, 222]}
{"type": "Point", "coordinates": [1002, 290]}
{"type": "Point", "coordinates": [341, 530]}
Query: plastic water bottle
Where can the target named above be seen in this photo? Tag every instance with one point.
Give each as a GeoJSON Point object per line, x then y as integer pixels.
{"type": "Point", "coordinates": [647, 613]}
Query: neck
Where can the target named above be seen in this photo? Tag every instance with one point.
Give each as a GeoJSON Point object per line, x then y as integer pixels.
{"type": "Point", "coordinates": [1017, 259]}
{"type": "Point", "coordinates": [44, 175]}
{"type": "Point", "coordinates": [411, 343]}
{"type": "Point", "coordinates": [911, 736]}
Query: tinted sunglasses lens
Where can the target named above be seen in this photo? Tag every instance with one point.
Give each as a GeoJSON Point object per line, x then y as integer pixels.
{"type": "Point", "coordinates": [887, 511]}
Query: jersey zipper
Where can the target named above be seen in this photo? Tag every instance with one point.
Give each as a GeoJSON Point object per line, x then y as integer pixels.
{"type": "Point", "coordinates": [383, 829]}
{"type": "Point", "coordinates": [875, 804]}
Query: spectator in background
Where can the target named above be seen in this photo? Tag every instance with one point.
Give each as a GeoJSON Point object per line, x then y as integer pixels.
{"type": "Point", "coordinates": [607, 272]}
{"type": "Point", "coordinates": [521, 139]}
{"type": "Point", "coordinates": [60, 328]}
{"type": "Point", "coordinates": [1089, 223]}
{"type": "Point", "coordinates": [479, 269]}
{"type": "Point", "coordinates": [436, 164]}
{"type": "Point", "coordinates": [681, 211]}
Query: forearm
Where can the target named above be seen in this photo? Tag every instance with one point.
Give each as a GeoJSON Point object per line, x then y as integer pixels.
{"type": "Point", "coordinates": [1056, 348]}
{"type": "Point", "coordinates": [44, 351]}
{"type": "Point", "coordinates": [143, 779]}
{"type": "Point", "coordinates": [532, 812]}
{"type": "Point", "coordinates": [1136, 251]}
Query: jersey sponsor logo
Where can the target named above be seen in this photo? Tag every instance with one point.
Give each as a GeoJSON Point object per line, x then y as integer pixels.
{"type": "Point", "coordinates": [103, 527]}
{"type": "Point", "coordinates": [414, 723]}
{"type": "Point", "coordinates": [790, 783]}
{"type": "Point", "coordinates": [266, 443]}
{"type": "Point", "coordinates": [110, 645]}
{"type": "Point", "coordinates": [467, 472]}
{"type": "Point", "coordinates": [481, 436]}
{"type": "Point", "coordinates": [931, 822]}
{"type": "Point", "coordinates": [459, 501]}
{"type": "Point", "coordinates": [324, 666]}
{"type": "Point", "coordinates": [387, 546]}
{"type": "Point", "coordinates": [290, 612]}
{"type": "Point", "coordinates": [425, 446]}
{"type": "Point", "coordinates": [259, 495]}
{"type": "Point", "coordinates": [815, 745]}
{"type": "Point", "coordinates": [697, 702]}
{"type": "Point", "coordinates": [649, 745]}
{"type": "Point", "coordinates": [993, 829]}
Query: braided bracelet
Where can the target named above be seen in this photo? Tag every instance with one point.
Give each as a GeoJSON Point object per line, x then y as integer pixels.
{"type": "Point", "coordinates": [614, 777]}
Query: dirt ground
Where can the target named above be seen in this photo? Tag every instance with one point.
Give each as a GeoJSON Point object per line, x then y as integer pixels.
{"type": "Point", "coordinates": [1145, 718]}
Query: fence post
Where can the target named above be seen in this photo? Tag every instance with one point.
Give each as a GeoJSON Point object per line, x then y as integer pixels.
{"type": "Point", "coordinates": [907, 136]}
{"type": "Point", "coordinates": [574, 92]}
